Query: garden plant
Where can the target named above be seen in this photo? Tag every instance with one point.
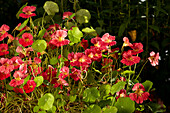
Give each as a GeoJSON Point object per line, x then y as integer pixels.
{"type": "Point", "coordinates": [50, 66]}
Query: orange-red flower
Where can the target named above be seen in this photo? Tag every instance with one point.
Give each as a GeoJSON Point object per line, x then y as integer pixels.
{"type": "Point", "coordinates": [128, 59]}
{"type": "Point", "coordinates": [18, 75]}
{"type": "Point", "coordinates": [29, 86]}
{"type": "Point", "coordinates": [137, 48]}
{"type": "Point", "coordinates": [139, 95]}
{"type": "Point", "coordinates": [121, 93]}
{"type": "Point", "coordinates": [6, 65]}
{"type": "Point", "coordinates": [108, 39]}
{"type": "Point", "coordinates": [3, 49]}
{"type": "Point", "coordinates": [26, 40]}
{"type": "Point", "coordinates": [3, 31]}
{"type": "Point", "coordinates": [27, 12]}
{"type": "Point", "coordinates": [126, 42]}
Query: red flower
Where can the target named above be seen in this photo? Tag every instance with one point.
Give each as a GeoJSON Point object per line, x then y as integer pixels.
{"type": "Point", "coordinates": [128, 59]}
{"type": "Point", "coordinates": [114, 53]}
{"type": "Point", "coordinates": [23, 52]}
{"type": "Point", "coordinates": [137, 48]}
{"type": "Point", "coordinates": [4, 76]}
{"type": "Point", "coordinates": [18, 75]}
{"type": "Point", "coordinates": [3, 49]}
{"type": "Point", "coordinates": [3, 31]}
{"type": "Point", "coordinates": [58, 38]}
{"type": "Point", "coordinates": [64, 72]}
{"type": "Point", "coordinates": [121, 93]}
{"type": "Point", "coordinates": [98, 43]}
{"type": "Point", "coordinates": [6, 65]}
{"type": "Point", "coordinates": [139, 95]}
{"type": "Point", "coordinates": [29, 86]}
{"type": "Point", "coordinates": [84, 44]}
{"type": "Point", "coordinates": [126, 42]}
{"type": "Point", "coordinates": [54, 27]}
{"type": "Point", "coordinates": [154, 58]}
{"type": "Point", "coordinates": [26, 40]}
{"type": "Point", "coordinates": [108, 39]}
{"type": "Point", "coordinates": [76, 74]}
{"type": "Point", "coordinates": [27, 12]}
{"type": "Point", "coordinates": [121, 79]}
{"type": "Point", "coordinates": [95, 54]}
{"type": "Point", "coordinates": [18, 90]}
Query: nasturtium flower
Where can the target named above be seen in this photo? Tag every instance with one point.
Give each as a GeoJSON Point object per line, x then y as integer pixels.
{"type": "Point", "coordinates": [60, 83]}
{"type": "Point", "coordinates": [76, 74]}
{"type": "Point", "coordinates": [84, 44]}
{"type": "Point", "coordinates": [18, 90]}
{"type": "Point", "coordinates": [3, 49]}
{"type": "Point", "coordinates": [121, 93]}
{"type": "Point", "coordinates": [6, 65]}
{"type": "Point", "coordinates": [154, 58]}
{"type": "Point", "coordinates": [4, 76]}
{"type": "Point", "coordinates": [98, 43]}
{"type": "Point", "coordinates": [108, 39]}
{"type": "Point", "coordinates": [137, 48]}
{"type": "Point", "coordinates": [129, 59]}
{"type": "Point", "coordinates": [67, 14]}
{"type": "Point", "coordinates": [58, 38]}
{"type": "Point", "coordinates": [64, 72]}
{"type": "Point", "coordinates": [139, 95]}
{"type": "Point", "coordinates": [29, 86]}
{"type": "Point", "coordinates": [17, 61]}
{"type": "Point", "coordinates": [27, 12]}
{"type": "Point", "coordinates": [26, 40]}
{"type": "Point", "coordinates": [18, 75]}
{"type": "Point", "coordinates": [95, 54]}
{"type": "Point", "coordinates": [53, 27]}
{"type": "Point", "coordinates": [3, 31]}
{"type": "Point", "coordinates": [126, 42]}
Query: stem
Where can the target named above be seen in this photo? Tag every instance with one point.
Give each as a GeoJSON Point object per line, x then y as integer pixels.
{"type": "Point", "coordinates": [141, 69]}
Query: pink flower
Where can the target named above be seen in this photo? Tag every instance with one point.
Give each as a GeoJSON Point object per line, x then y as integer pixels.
{"type": "Point", "coordinates": [26, 40]}
{"type": "Point", "coordinates": [18, 75]}
{"type": "Point", "coordinates": [137, 48]}
{"type": "Point", "coordinates": [3, 31]}
{"type": "Point", "coordinates": [154, 58]}
{"type": "Point", "coordinates": [17, 61]}
{"type": "Point", "coordinates": [139, 95]}
{"type": "Point", "coordinates": [126, 42]}
{"type": "Point", "coordinates": [67, 14]}
{"type": "Point", "coordinates": [64, 72]}
{"type": "Point", "coordinates": [128, 59]}
{"type": "Point", "coordinates": [37, 60]}
{"type": "Point", "coordinates": [29, 86]}
{"type": "Point", "coordinates": [60, 83]}
{"type": "Point", "coordinates": [3, 49]}
{"type": "Point", "coordinates": [108, 39]}
{"type": "Point", "coordinates": [27, 12]}
{"type": "Point", "coordinates": [6, 65]}
{"type": "Point", "coordinates": [98, 43]}
{"type": "Point", "coordinates": [23, 52]}
{"type": "Point", "coordinates": [95, 54]}
{"type": "Point", "coordinates": [58, 38]}
{"type": "Point", "coordinates": [121, 93]}
{"type": "Point", "coordinates": [76, 74]}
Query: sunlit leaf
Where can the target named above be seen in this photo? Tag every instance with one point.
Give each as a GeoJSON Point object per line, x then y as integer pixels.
{"type": "Point", "coordinates": [51, 7]}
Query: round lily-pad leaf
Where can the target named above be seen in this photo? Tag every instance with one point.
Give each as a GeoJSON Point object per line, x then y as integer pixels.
{"type": "Point", "coordinates": [51, 7]}
{"type": "Point", "coordinates": [83, 16]}
{"type": "Point", "coordinates": [39, 45]}
{"type": "Point", "coordinates": [93, 109]}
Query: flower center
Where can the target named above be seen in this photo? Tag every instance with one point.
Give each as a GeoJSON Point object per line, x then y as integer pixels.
{"type": "Point", "coordinates": [31, 86]}
{"type": "Point", "coordinates": [139, 92]}
{"type": "Point", "coordinates": [26, 39]}
{"type": "Point", "coordinates": [60, 39]}
{"type": "Point", "coordinates": [82, 60]}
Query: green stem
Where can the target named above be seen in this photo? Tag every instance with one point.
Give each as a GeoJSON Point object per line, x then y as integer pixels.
{"type": "Point", "coordinates": [141, 69]}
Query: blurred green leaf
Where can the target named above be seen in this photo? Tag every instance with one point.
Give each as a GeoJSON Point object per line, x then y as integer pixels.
{"type": "Point", "coordinates": [83, 16]}
{"type": "Point", "coordinates": [39, 45]}
{"type": "Point", "coordinates": [110, 109]}
{"type": "Point", "coordinates": [93, 109]}
{"type": "Point", "coordinates": [38, 80]}
{"type": "Point", "coordinates": [51, 7]}
{"type": "Point", "coordinates": [117, 87]}
{"type": "Point", "coordinates": [156, 28]}
{"type": "Point", "coordinates": [147, 85]}
{"type": "Point", "coordinates": [75, 35]}
{"type": "Point", "coordinates": [20, 10]}
{"type": "Point", "coordinates": [23, 24]}
{"type": "Point", "coordinates": [41, 32]}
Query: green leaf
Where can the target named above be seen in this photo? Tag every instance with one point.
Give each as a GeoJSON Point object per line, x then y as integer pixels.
{"type": "Point", "coordinates": [41, 32]}
{"type": "Point", "coordinates": [93, 109]}
{"type": "Point", "coordinates": [75, 35]}
{"type": "Point", "coordinates": [52, 110]}
{"type": "Point", "coordinates": [125, 105]}
{"type": "Point", "coordinates": [155, 44]}
{"type": "Point", "coordinates": [121, 29]}
{"type": "Point", "coordinates": [72, 98]}
{"type": "Point", "coordinates": [111, 109]}
{"type": "Point", "coordinates": [20, 10]}
{"type": "Point", "coordinates": [127, 72]}
{"type": "Point", "coordinates": [23, 24]}
{"type": "Point", "coordinates": [51, 7]}
{"type": "Point", "coordinates": [9, 87]}
{"type": "Point", "coordinates": [88, 30]}
{"type": "Point", "coordinates": [38, 80]}
{"type": "Point", "coordinates": [117, 87]}
{"type": "Point", "coordinates": [20, 33]}
{"type": "Point", "coordinates": [46, 102]}
{"type": "Point", "coordinates": [39, 45]}
{"type": "Point", "coordinates": [53, 60]}
{"type": "Point", "coordinates": [147, 85]}
{"type": "Point", "coordinates": [91, 94]}
{"type": "Point", "coordinates": [69, 24]}
{"type": "Point", "coordinates": [42, 112]}
{"type": "Point", "coordinates": [156, 28]}
{"type": "Point", "coordinates": [104, 89]}
{"type": "Point", "coordinates": [99, 30]}
{"type": "Point", "coordinates": [36, 108]}
{"type": "Point", "coordinates": [26, 79]}
{"type": "Point", "coordinates": [83, 16]}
